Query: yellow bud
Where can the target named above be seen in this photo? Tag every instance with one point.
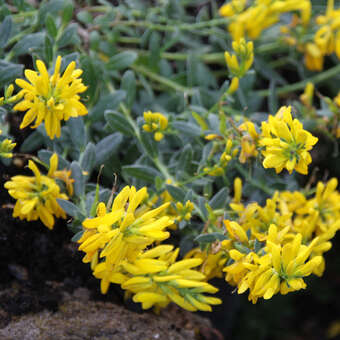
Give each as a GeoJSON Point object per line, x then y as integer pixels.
{"type": "Point", "coordinates": [146, 128]}
{"type": "Point", "coordinates": [237, 190]}
{"type": "Point", "coordinates": [233, 85]}
{"type": "Point", "coordinates": [228, 146]}
{"type": "Point", "coordinates": [9, 91]}
{"type": "Point", "coordinates": [212, 136]}
{"type": "Point", "coordinates": [158, 136]}
{"type": "Point", "coordinates": [179, 205]}
{"type": "Point", "coordinates": [235, 152]}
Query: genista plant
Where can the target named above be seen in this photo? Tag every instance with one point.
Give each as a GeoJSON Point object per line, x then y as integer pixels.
{"type": "Point", "coordinates": [158, 133]}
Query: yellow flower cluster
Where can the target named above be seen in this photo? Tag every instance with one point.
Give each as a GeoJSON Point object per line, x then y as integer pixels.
{"type": "Point", "coordinates": [326, 38]}
{"type": "Point", "coordinates": [115, 243]}
{"type": "Point", "coordinates": [325, 41]}
{"type": "Point", "coordinates": [36, 196]}
{"type": "Point", "coordinates": [155, 278]}
{"type": "Point", "coordinates": [260, 15]}
{"type": "Point", "coordinates": [286, 143]}
{"type": "Point", "coordinates": [6, 147]}
{"type": "Point", "coordinates": [184, 211]}
{"type": "Point", "coordinates": [240, 62]}
{"type": "Point", "coordinates": [272, 248]}
{"type": "Point", "coordinates": [51, 99]}
{"type": "Point", "coordinates": [155, 122]}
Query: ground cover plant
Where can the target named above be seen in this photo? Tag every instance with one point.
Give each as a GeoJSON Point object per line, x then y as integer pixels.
{"type": "Point", "coordinates": [181, 141]}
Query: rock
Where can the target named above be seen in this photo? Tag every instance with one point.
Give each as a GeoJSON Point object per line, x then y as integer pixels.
{"type": "Point", "coordinates": [79, 318]}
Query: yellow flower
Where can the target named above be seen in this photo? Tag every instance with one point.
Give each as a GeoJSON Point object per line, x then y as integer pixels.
{"type": "Point", "coordinates": [64, 175]}
{"type": "Point", "coordinates": [286, 143]}
{"type": "Point", "coordinates": [121, 234]}
{"type": "Point", "coordinates": [155, 122]}
{"type": "Point", "coordinates": [326, 204]}
{"type": "Point", "coordinates": [51, 99]}
{"type": "Point", "coordinates": [36, 197]}
{"type": "Point", "coordinates": [281, 269]}
{"type": "Point", "coordinates": [232, 8]}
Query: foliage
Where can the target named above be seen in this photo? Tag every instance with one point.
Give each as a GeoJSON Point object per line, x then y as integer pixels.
{"type": "Point", "coordinates": [138, 95]}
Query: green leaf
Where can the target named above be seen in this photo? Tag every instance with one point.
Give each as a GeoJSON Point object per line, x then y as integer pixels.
{"type": "Point", "coordinates": [9, 72]}
{"type": "Point", "coordinates": [241, 248]}
{"type": "Point", "coordinates": [177, 193]}
{"type": "Point", "coordinates": [128, 84]}
{"type": "Point", "coordinates": [77, 131]}
{"type": "Point", "coordinates": [149, 144]}
{"type": "Point", "coordinates": [110, 101]}
{"type": "Point", "coordinates": [77, 236]}
{"type": "Point", "coordinates": [90, 77]}
{"type": "Point", "coordinates": [107, 147]}
{"type": "Point", "coordinates": [67, 13]}
{"type": "Point", "coordinates": [118, 122]}
{"type": "Point", "coordinates": [201, 209]}
{"type": "Point", "coordinates": [143, 172]}
{"type": "Point", "coordinates": [70, 208]}
{"type": "Point", "coordinates": [185, 158]}
{"type": "Point", "coordinates": [29, 43]}
{"type": "Point", "coordinates": [263, 68]}
{"type": "Point", "coordinates": [5, 29]}
{"type": "Point", "coordinates": [122, 60]}
{"type": "Point", "coordinates": [51, 26]}
{"type": "Point", "coordinates": [33, 142]}
{"type": "Point", "coordinates": [155, 50]}
{"type": "Point", "coordinates": [188, 129]}
{"type": "Point", "coordinates": [273, 103]}
{"type": "Point", "coordinates": [85, 17]}
{"type": "Point", "coordinates": [219, 200]}
{"type": "Point", "coordinates": [79, 179]}
{"type": "Point", "coordinates": [88, 158]}
{"type": "Point", "coordinates": [68, 35]}
{"type": "Point", "coordinates": [48, 49]}
{"type": "Point", "coordinates": [210, 238]}
{"type": "Point", "coordinates": [52, 7]}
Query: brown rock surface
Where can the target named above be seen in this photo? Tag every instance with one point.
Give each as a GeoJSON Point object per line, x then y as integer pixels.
{"type": "Point", "coordinates": [79, 318]}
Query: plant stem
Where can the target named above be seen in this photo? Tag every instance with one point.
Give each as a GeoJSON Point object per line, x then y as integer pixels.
{"type": "Point", "coordinates": [320, 77]}
{"type": "Point", "coordinates": [163, 169]}
{"type": "Point", "coordinates": [208, 58]}
{"type": "Point", "coordinates": [160, 79]}
{"type": "Point", "coordinates": [171, 28]}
